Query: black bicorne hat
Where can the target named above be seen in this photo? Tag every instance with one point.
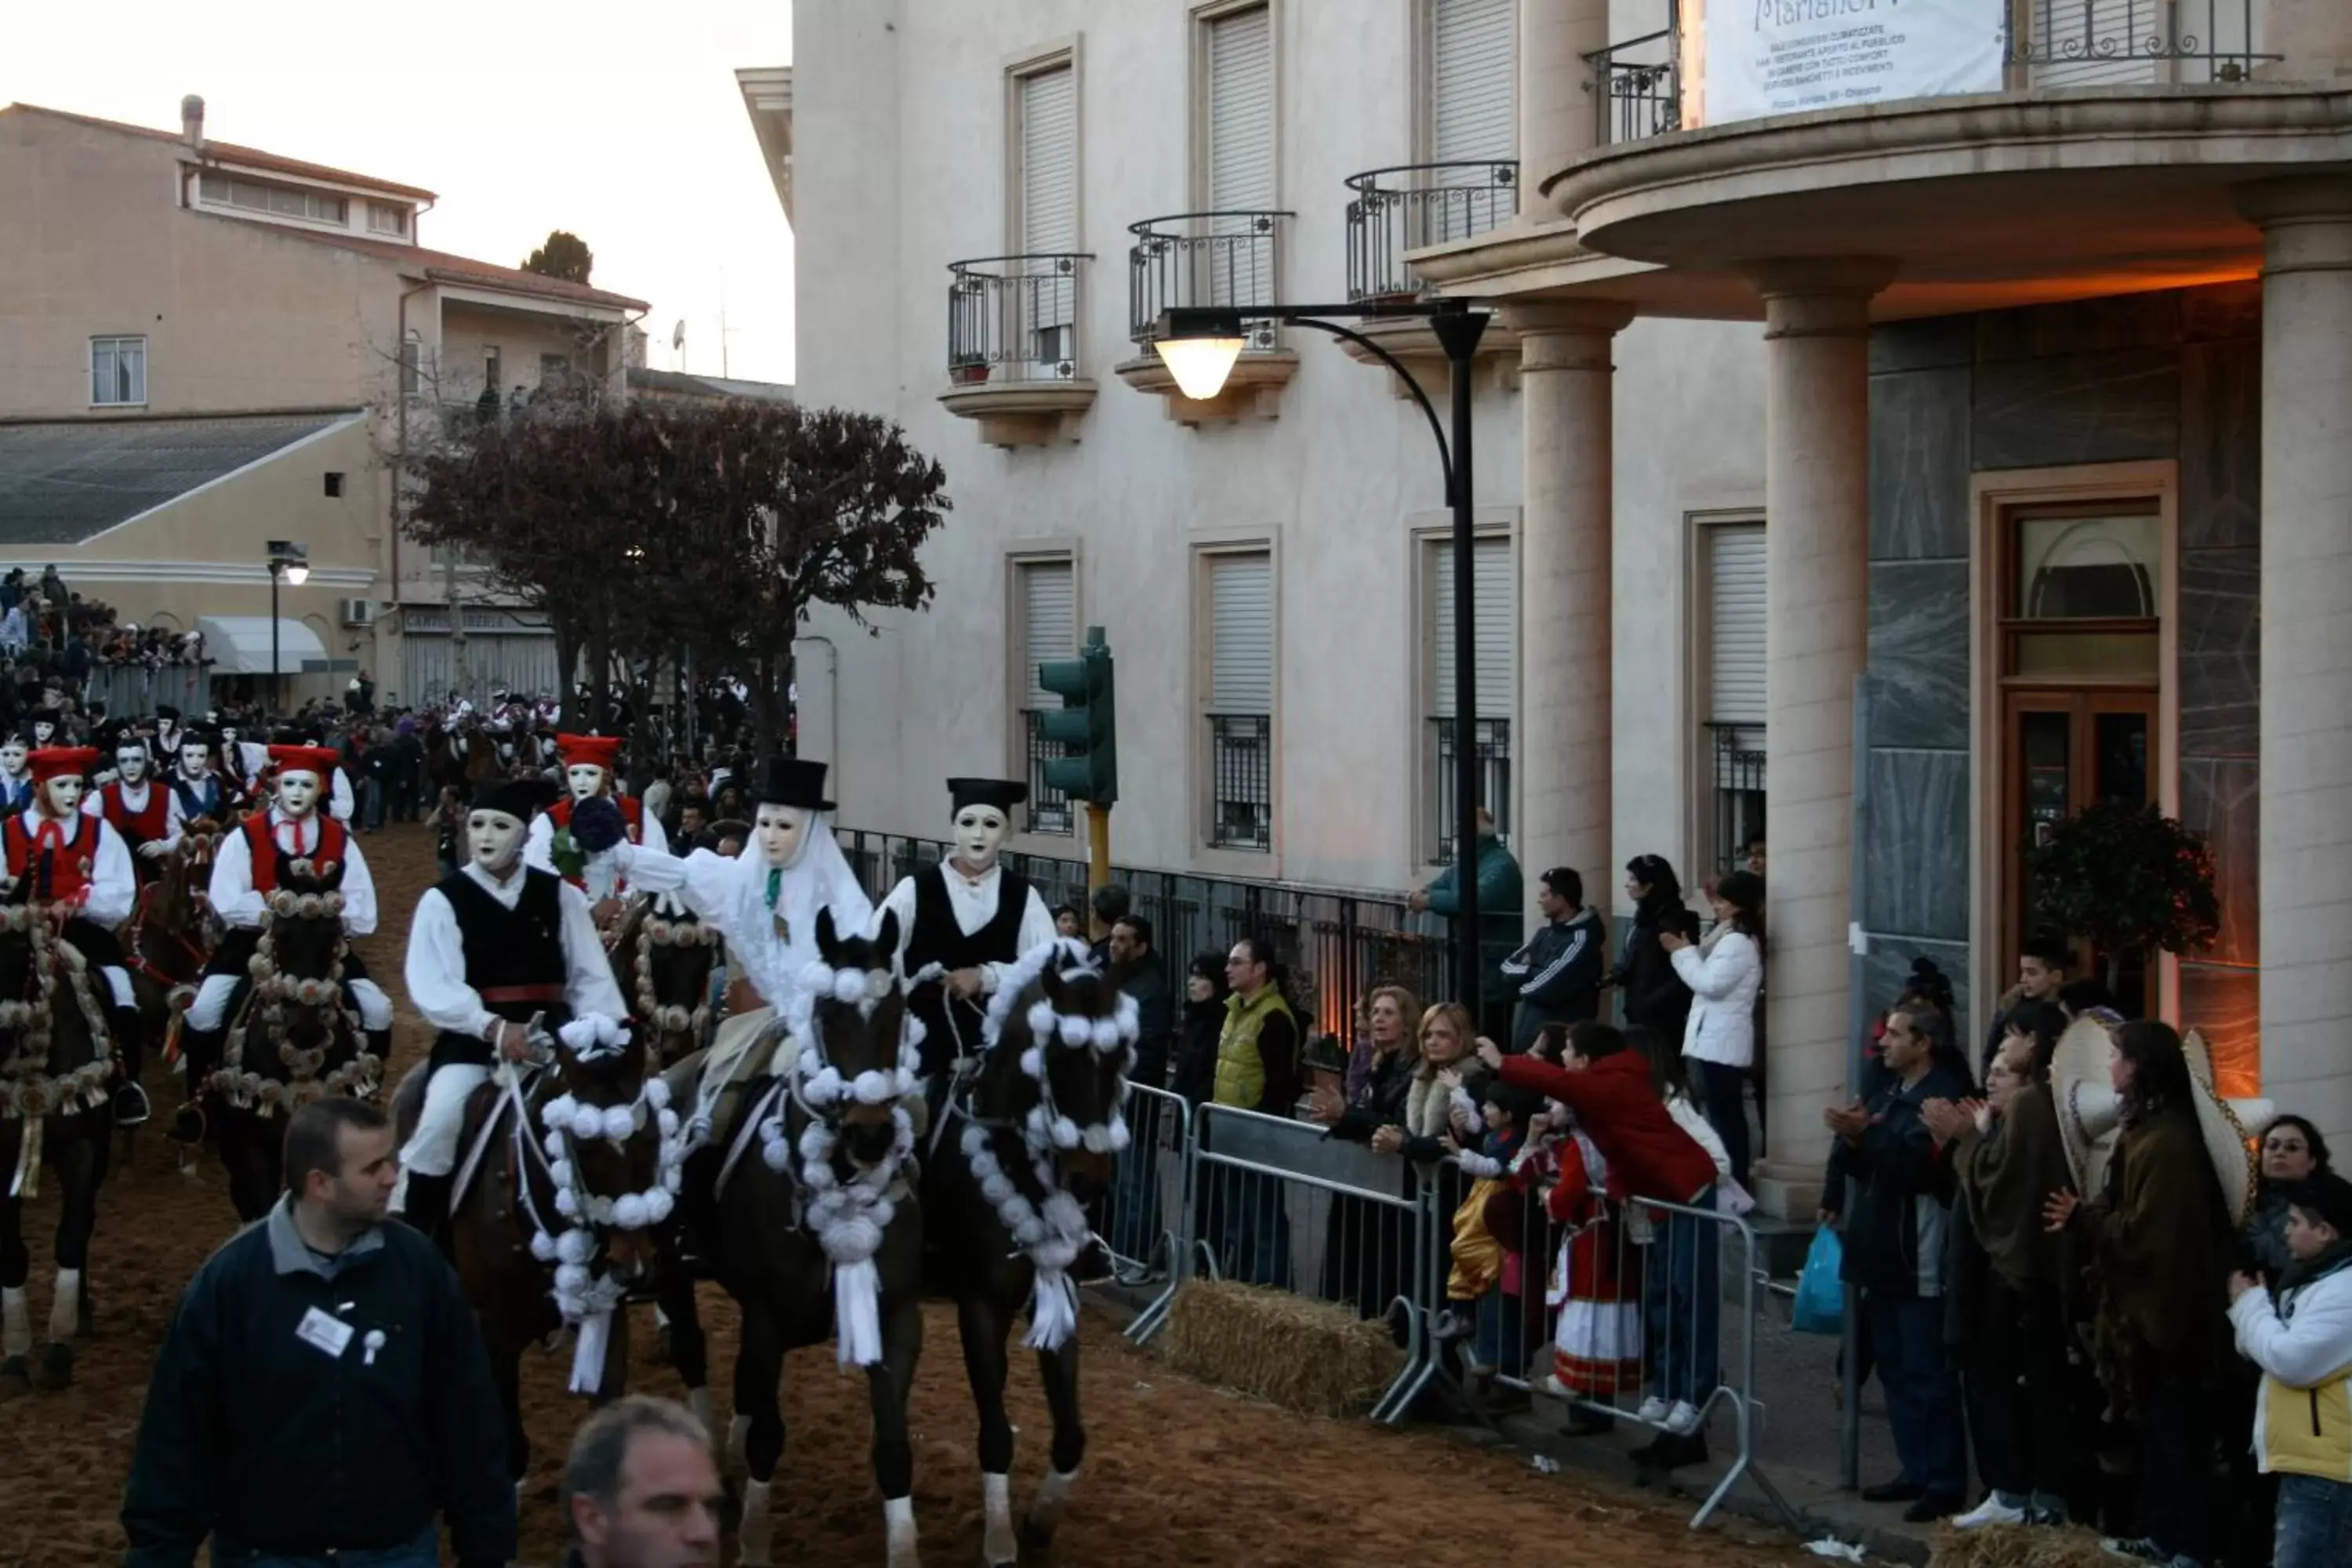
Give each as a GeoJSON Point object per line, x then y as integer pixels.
{"type": "Point", "coordinates": [522, 799]}
{"type": "Point", "coordinates": [1001, 793]}
{"type": "Point", "coordinates": [790, 781]}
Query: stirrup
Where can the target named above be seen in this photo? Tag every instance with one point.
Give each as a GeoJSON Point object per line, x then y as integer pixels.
{"type": "Point", "coordinates": [130, 1104]}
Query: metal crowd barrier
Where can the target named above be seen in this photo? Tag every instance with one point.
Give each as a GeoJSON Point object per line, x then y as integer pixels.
{"type": "Point", "coordinates": [1215, 1192]}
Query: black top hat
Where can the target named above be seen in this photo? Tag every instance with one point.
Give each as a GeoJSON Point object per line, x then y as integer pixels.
{"type": "Point", "coordinates": [790, 780]}
{"type": "Point", "coordinates": [1001, 793]}
{"type": "Point", "coordinates": [522, 799]}
{"type": "Point", "coordinates": [167, 713]}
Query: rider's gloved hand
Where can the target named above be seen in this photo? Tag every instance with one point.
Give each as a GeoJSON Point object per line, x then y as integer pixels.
{"type": "Point", "coordinates": [597, 825]}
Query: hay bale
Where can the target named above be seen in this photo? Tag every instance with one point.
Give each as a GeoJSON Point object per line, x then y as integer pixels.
{"type": "Point", "coordinates": [2018, 1546]}
{"type": "Point", "coordinates": [1310, 1356]}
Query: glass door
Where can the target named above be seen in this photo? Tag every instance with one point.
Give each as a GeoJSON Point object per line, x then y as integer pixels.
{"type": "Point", "coordinates": [2069, 750]}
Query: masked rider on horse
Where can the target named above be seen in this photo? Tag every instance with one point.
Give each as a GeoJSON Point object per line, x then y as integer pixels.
{"type": "Point", "coordinates": [293, 831]}
{"type": "Point", "coordinates": [200, 789]}
{"type": "Point", "coordinates": [589, 775]}
{"type": "Point", "coordinates": [78, 863]}
{"type": "Point", "coordinates": [493, 948]}
{"type": "Point", "coordinates": [135, 805]}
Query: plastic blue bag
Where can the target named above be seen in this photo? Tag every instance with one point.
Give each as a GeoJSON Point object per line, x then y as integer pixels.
{"type": "Point", "coordinates": [1819, 1307]}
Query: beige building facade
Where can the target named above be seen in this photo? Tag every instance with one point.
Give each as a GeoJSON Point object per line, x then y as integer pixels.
{"type": "Point", "coordinates": [206, 348]}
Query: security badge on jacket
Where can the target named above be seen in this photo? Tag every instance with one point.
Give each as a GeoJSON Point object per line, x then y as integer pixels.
{"type": "Point", "coordinates": [326, 1332]}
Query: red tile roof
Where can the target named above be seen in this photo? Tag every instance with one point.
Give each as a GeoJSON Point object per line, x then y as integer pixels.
{"type": "Point", "coordinates": [229, 152]}
{"type": "Point", "coordinates": [444, 268]}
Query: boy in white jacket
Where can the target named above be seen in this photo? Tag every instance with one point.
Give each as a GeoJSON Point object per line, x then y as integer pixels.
{"type": "Point", "coordinates": [2302, 1419]}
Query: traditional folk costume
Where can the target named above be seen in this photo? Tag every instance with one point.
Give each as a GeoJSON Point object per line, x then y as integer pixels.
{"type": "Point", "coordinates": [57, 855]}
{"type": "Point", "coordinates": [496, 941]}
{"type": "Point", "coordinates": [970, 912]}
{"type": "Point", "coordinates": [292, 838]}
{"type": "Point", "coordinates": [142, 810]}
{"type": "Point", "coordinates": [15, 776]}
{"type": "Point", "coordinates": [588, 770]}
{"type": "Point", "coordinates": [1596, 1283]}
{"type": "Point", "coordinates": [200, 788]}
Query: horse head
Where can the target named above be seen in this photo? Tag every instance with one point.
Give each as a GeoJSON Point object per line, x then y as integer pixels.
{"type": "Point", "coordinates": [52, 1055]}
{"type": "Point", "coordinates": [857, 1053]}
{"type": "Point", "coordinates": [298, 1001]}
{"type": "Point", "coordinates": [662, 962]}
{"type": "Point", "coordinates": [612, 1145]}
{"type": "Point", "coordinates": [1062, 1047]}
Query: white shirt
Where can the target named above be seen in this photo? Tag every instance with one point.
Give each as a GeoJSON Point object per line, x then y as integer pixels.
{"type": "Point", "coordinates": [974, 901]}
{"type": "Point", "coordinates": [436, 969]}
{"type": "Point", "coordinates": [231, 893]}
{"type": "Point", "coordinates": [93, 804]}
{"type": "Point", "coordinates": [114, 888]}
{"type": "Point", "coordinates": [733, 896]}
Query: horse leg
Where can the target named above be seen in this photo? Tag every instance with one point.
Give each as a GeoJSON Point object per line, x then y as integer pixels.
{"type": "Point", "coordinates": [506, 1374]}
{"type": "Point", "coordinates": [982, 1332]}
{"type": "Point", "coordinates": [80, 1172]}
{"type": "Point", "coordinates": [16, 1268]}
{"type": "Point", "coordinates": [759, 1367]}
{"type": "Point", "coordinates": [1060, 1371]}
{"type": "Point", "coordinates": [689, 1355]}
{"type": "Point", "coordinates": [890, 1382]}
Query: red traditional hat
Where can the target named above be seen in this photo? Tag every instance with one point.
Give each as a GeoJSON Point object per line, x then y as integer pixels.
{"type": "Point", "coordinates": [319, 760]}
{"type": "Point", "coordinates": [61, 761]}
{"type": "Point", "coordinates": [590, 751]}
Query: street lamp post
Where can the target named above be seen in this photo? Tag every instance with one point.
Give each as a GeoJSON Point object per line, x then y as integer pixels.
{"type": "Point", "coordinates": [1198, 346]}
{"type": "Point", "coordinates": [290, 562]}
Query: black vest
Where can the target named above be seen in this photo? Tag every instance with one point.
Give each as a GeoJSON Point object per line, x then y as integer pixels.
{"type": "Point", "coordinates": [937, 939]}
{"type": "Point", "coordinates": [507, 949]}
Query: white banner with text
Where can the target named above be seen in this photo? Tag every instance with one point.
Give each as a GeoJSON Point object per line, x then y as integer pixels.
{"type": "Point", "coordinates": [1788, 57]}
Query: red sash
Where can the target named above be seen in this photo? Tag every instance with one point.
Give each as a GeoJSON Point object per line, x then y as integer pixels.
{"type": "Point", "coordinates": [261, 846]}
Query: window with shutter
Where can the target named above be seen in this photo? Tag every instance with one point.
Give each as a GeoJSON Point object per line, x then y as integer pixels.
{"type": "Point", "coordinates": [1494, 582]}
{"type": "Point", "coordinates": [1238, 154]}
{"type": "Point", "coordinates": [2093, 43]}
{"type": "Point", "coordinates": [1732, 606]}
{"type": "Point", "coordinates": [1241, 700]}
{"type": "Point", "coordinates": [1046, 592]}
{"type": "Point", "coordinates": [1473, 71]}
{"type": "Point", "coordinates": [1047, 103]}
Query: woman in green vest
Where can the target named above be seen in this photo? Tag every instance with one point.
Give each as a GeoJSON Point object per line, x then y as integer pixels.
{"type": "Point", "coordinates": [1257, 1069]}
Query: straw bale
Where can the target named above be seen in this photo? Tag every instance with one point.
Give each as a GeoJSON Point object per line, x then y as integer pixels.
{"type": "Point", "coordinates": [1306, 1355]}
{"type": "Point", "coordinates": [2018, 1546]}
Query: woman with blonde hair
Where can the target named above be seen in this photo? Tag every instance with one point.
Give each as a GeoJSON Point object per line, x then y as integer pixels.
{"type": "Point", "coordinates": [1365, 1260]}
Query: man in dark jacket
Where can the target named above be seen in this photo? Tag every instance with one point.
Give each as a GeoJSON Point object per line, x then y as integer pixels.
{"type": "Point", "coordinates": [1558, 974]}
{"type": "Point", "coordinates": [1134, 1228]}
{"type": "Point", "coordinates": [1895, 1231]}
{"type": "Point", "coordinates": [323, 1389]}
{"type": "Point", "coordinates": [1502, 921]}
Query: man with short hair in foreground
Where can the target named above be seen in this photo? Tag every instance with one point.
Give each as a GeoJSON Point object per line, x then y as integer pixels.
{"type": "Point", "coordinates": [324, 1392]}
{"type": "Point", "coordinates": [640, 1489]}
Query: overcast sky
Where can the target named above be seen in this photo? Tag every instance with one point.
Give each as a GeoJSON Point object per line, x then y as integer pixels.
{"type": "Point", "coordinates": [619, 121]}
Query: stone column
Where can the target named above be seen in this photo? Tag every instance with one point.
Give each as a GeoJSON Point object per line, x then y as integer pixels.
{"type": "Point", "coordinates": [1560, 756]}
{"type": "Point", "coordinates": [1817, 557]}
{"type": "Point", "coordinates": [1559, 110]}
{"type": "Point", "coordinates": [2305, 859]}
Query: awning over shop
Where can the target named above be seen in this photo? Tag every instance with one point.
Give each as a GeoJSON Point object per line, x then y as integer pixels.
{"type": "Point", "coordinates": [240, 645]}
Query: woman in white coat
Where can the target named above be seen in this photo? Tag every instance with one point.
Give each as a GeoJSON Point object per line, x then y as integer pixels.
{"type": "Point", "coordinates": [1725, 972]}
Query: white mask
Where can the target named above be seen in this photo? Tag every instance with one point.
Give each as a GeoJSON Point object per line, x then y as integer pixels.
{"type": "Point", "coordinates": [979, 833]}
{"type": "Point", "coordinates": [65, 794]}
{"type": "Point", "coordinates": [130, 761]}
{"type": "Point", "coordinates": [782, 830]}
{"type": "Point", "coordinates": [298, 793]}
{"type": "Point", "coordinates": [42, 730]}
{"type": "Point", "coordinates": [495, 840]}
{"type": "Point", "coordinates": [587, 779]}
{"type": "Point", "coordinates": [12, 757]}
{"type": "Point", "coordinates": [191, 761]}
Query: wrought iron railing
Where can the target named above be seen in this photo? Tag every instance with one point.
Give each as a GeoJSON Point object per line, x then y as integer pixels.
{"type": "Point", "coordinates": [1738, 782]}
{"type": "Point", "coordinates": [1241, 781]}
{"type": "Point", "coordinates": [1416, 205]}
{"type": "Point", "coordinates": [1637, 86]}
{"type": "Point", "coordinates": [1231, 260]}
{"type": "Point", "coordinates": [1492, 737]}
{"type": "Point", "coordinates": [2091, 43]}
{"type": "Point", "coordinates": [1336, 944]}
{"type": "Point", "coordinates": [1016, 318]}
{"type": "Point", "coordinates": [1049, 808]}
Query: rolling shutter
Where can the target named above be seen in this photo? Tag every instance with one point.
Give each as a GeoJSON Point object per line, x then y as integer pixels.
{"type": "Point", "coordinates": [1049, 161]}
{"type": "Point", "coordinates": [1494, 585]}
{"type": "Point", "coordinates": [1049, 623]}
{"type": "Point", "coordinates": [1240, 116]}
{"type": "Point", "coordinates": [1241, 634]}
{"type": "Point", "coordinates": [1736, 623]}
{"type": "Point", "coordinates": [1473, 54]}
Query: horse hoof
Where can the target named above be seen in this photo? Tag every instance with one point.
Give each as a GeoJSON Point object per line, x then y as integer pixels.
{"type": "Point", "coordinates": [1037, 1534]}
{"type": "Point", "coordinates": [56, 1372]}
{"type": "Point", "coordinates": [15, 1378]}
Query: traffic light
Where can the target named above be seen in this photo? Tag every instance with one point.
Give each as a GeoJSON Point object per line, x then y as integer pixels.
{"type": "Point", "coordinates": [1088, 768]}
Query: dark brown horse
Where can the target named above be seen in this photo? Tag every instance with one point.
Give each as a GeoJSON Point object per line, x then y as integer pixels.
{"type": "Point", "coordinates": [561, 1219]}
{"type": "Point", "coordinates": [165, 943]}
{"type": "Point", "coordinates": [1005, 1191]}
{"type": "Point", "coordinates": [817, 1230]}
{"type": "Point", "coordinates": [55, 1063]}
{"type": "Point", "coordinates": [292, 1038]}
{"type": "Point", "coordinates": [662, 960]}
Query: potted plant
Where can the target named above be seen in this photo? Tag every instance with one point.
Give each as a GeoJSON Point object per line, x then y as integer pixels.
{"type": "Point", "coordinates": [968, 369]}
{"type": "Point", "coordinates": [2129, 877]}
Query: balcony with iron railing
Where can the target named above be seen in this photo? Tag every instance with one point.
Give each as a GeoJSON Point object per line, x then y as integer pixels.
{"type": "Point", "coordinates": [1223, 261]}
{"type": "Point", "coordinates": [1394, 211]}
{"type": "Point", "coordinates": [1016, 346]}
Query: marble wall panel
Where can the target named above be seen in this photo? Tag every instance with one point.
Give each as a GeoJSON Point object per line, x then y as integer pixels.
{"type": "Point", "coordinates": [2221, 310]}
{"type": "Point", "coordinates": [2224, 1005]}
{"type": "Point", "coordinates": [2220, 445]}
{"type": "Point", "coordinates": [1919, 654]}
{"type": "Point", "coordinates": [2219, 797]}
{"type": "Point", "coordinates": [2081, 327]}
{"type": "Point", "coordinates": [2220, 653]}
{"type": "Point", "coordinates": [2083, 408]}
{"type": "Point", "coordinates": [1919, 464]}
{"type": "Point", "coordinates": [1886, 969]}
{"type": "Point", "coordinates": [1923, 345]}
{"type": "Point", "coordinates": [1915, 851]}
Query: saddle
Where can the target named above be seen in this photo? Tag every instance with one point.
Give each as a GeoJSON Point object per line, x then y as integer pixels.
{"type": "Point", "coordinates": [489, 1109]}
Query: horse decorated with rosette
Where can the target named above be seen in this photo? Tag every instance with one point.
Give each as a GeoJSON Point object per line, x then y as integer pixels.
{"type": "Point", "coordinates": [56, 1061]}
{"type": "Point", "coordinates": [815, 1231]}
{"type": "Point", "coordinates": [569, 1168]}
{"type": "Point", "coordinates": [663, 958]}
{"type": "Point", "coordinates": [1026, 1138]}
{"type": "Point", "coordinates": [168, 941]}
{"type": "Point", "coordinates": [293, 1037]}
